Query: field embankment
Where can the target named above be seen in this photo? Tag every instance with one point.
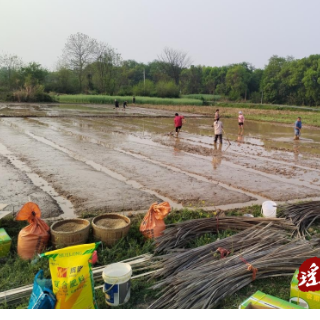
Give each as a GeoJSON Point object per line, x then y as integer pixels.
{"type": "Point", "coordinates": [102, 99]}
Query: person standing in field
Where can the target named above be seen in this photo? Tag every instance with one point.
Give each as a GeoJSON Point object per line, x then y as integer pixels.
{"type": "Point", "coordinates": [178, 123]}
{"type": "Point", "coordinates": [218, 129]}
{"type": "Point", "coordinates": [124, 104]}
{"type": "Point", "coordinates": [240, 123]}
{"type": "Point", "coordinates": [297, 129]}
{"type": "Point", "coordinates": [133, 99]}
{"type": "Point", "coordinates": [116, 104]}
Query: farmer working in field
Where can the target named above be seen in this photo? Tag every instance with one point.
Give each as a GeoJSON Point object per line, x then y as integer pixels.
{"type": "Point", "coordinates": [116, 104]}
{"type": "Point", "coordinates": [218, 129]}
{"type": "Point", "coordinates": [178, 123]}
{"type": "Point", "coordinates": [297, 128]}
{"type": "Point", "coordinates": [240, 123]}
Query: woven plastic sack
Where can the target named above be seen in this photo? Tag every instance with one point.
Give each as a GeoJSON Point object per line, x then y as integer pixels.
{"type": "Point", "coordinates": [152, 224]}
{"type": "Point", "coordinates": [71, 275]}
{"type": "Point", "coordinates": [34, 238]}
{"type": "Point", "coordinates": [42, 296]}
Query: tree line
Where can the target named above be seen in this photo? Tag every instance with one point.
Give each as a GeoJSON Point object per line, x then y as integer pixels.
{"type": "Point", "coordinates": [91, 67]}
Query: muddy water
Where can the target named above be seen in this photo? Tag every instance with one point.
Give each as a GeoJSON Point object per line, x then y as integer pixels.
{"type": "Point", "coordinates": [272, 183]}
{"type": "Point", "coordinates": [64, 207]}
{"type": "Point", "coordinates": [86, 188]}
{"type": "Point", "coordinates": [164, 182]}
{"type": "Point", "coordinates": [19, 185]}
{"type": "Point", "coordinates": [106, 160]}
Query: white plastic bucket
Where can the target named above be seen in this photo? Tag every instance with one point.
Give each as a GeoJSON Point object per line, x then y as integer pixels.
{"type": "Point", "coordinates": [117, 285]}
{"type": "Point", "coordinates": [269, 209]}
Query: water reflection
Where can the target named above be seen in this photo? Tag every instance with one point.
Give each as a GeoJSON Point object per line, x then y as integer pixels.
{"type": "Point", "coordinates": [176, 147]}
{"type": "Point", "coordinates": [240, 139]}
{"type": "Point", "coordinates": [296, 146]}
{"type": "Point", "coordinates": [217, 156]}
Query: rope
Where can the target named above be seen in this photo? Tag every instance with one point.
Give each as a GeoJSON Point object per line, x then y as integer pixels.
{"type": "Point", "coordinates": [250, 268]}
{"type": "Point", "coordinates": [223, 252]}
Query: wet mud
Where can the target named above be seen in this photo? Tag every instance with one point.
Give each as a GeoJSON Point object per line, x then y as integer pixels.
{"type": "Point", "coordinates": [103, 160]}
{"type": "Point", "coordinates": [17, 189]}
{"type": "Point", "coordinates": [89, 190]}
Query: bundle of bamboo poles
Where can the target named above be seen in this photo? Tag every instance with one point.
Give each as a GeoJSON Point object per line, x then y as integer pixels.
{"type": "Point", "coordinates": [17, 295]}
{"type": "Point", "coordinates": [179, 234]}
{"type": "Point", "coordinates": [207, 284]}
{"type": "Point", "coordinates": [303, 215]}
{"type": "Point", "coordinates": [175, 260]}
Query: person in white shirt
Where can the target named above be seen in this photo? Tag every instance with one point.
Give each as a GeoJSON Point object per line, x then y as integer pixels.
{"type": "Point", "coordinates": [218, 129]}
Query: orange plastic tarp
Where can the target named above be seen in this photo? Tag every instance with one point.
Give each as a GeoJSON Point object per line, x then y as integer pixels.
{"type": "Point", "coordinates": [152, 224]}
{"type": "Point", "coordinates": [34, 238]}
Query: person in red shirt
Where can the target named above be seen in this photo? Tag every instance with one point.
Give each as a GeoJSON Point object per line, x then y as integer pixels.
{"type": "Point", "coordinates": [178, 123]}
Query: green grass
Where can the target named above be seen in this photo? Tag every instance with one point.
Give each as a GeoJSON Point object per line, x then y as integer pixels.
{"type": "Point", "coordinates": [103, 99]}
{"type": "Point", "coordinates": [16, 272]}
{"type": "Point", "coordinates": [199, 96]}
{"type": "Point", "coordinates": [259, 106]}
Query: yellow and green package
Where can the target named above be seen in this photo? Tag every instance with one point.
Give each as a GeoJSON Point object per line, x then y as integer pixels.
{"type": "Point", "coordinates": [260, 300]}
{"type": "Point", "coordinates": [308, 300]}
{"type": "Point", "coordinates": [5, 243]}
{"type": "Point", "coordinates": [71, 275]}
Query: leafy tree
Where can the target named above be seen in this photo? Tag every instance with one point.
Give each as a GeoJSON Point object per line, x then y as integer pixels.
{"type": "Point", "coordinates": [311, 81]}
{"type": "Point", "coordinates": [10, 66]}
{"type": "Point", "coordinates": [237, 81]}
{"type": "Point", "coordinates": [144, 89]}
{"type": "Point", "coordinates": [167, 89]}
{"type": "Point", "coordinates": [271, 80]}
{"type": "Point", "coordinates": [62, 81]}
{"type": "Point", "coordinates": [34, 74]}
{"type": "Point", "coordinates": [191, 80]}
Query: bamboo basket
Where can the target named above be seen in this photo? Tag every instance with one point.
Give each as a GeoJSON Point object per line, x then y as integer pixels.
{"type": "Point", "coordinates": [110, 236]}
{"type": "Point", "coordinates": [76, 231]}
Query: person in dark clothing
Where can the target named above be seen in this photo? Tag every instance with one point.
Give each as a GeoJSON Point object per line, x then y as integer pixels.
{"type": "Point", "coordinates": [133, 99]}
{"type": "Point", "coordinates": [297, 128]}
{"type": "Point", "coordinates": [116, 104]}
{"type": "Point", "coordinates": [125, 105]}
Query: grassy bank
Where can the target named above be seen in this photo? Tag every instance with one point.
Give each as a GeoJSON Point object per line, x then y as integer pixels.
{"type": "Point", "coordinates": [102, 99]}
{"type": "Point", "coordinates": [309, 118]}
{"type": "Point", "coordinates": [16, 272]}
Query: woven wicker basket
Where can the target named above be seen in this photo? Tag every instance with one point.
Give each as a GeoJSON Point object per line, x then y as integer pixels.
{"type": "Point", "coordinates": [110, 236]}
{"type": "Point", "coordinates": [75, 231]}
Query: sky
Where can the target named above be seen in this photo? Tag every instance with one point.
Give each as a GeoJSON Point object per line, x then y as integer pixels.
{"type": "Point", "coordinates": [211, 32]}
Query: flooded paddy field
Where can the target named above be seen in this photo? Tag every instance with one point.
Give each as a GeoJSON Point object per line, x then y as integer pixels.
{"type": "Point", "coordinates": [73, 159]}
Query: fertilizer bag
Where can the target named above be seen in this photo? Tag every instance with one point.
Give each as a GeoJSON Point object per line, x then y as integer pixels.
{"type": "Point", "coordinates": [34, 238]}
{"type": "Point", "coordinates": [42, 296]}
{"type": "Point", "coordinates": [71, 275]}
{"type": "Point", "coordinates": [152, 224]}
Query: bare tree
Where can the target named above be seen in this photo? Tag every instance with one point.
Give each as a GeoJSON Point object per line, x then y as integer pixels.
{"type": "Point", "coordinates": [107, 62]}
{"type": "Point", "coordinates": [10, 63]}
{"type": "Point", "coordinates": [79, 51]}
{"type": "Point", "coordinates": [174, 62]}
